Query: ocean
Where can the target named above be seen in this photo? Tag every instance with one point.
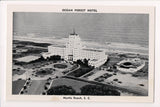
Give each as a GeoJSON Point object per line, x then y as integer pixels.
{"type": "Point", "coordinates": [128, 32]}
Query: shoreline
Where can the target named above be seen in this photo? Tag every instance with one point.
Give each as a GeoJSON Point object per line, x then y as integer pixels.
{"type": "Point", "coordinates": [108, 49]}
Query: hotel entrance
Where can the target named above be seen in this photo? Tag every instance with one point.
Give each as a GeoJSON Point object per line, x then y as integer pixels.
{"type": "Point", "coordinates": [70, 57]}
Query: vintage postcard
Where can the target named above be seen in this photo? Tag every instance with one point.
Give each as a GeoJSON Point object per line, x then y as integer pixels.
{"type": "Point", "coordinates": [80, 53]}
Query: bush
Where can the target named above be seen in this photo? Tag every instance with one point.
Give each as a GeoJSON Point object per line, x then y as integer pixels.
{"type": "Point", "coordinates": [25, 87]}
{"type": "Point", "coordinates": [62, 66]}
{"type": "Point", "coordinates": [20, 79]}
{"type": "Point", "coordinates": [22, 92]}
{"type": "Point", "coordinates": [27, 83]}
{"type": "Point", "coordinates": [141, 84]}
{"type": "Point", "coordinates": [115, 79]}
{"type": "Point", "coordinates": [44, 72]}
{"type": "Point", "coordinates": [49, 79]}
{"type": "Point", "coordinates": [134, 75]}
{"type": "Point", "coordinates": [46, 88]}
{"type": "Point", "coordinates": [114, 74]}
{"type": "Point", "coordinates": [43, 93]}
{"type": "Point", "coordinates": [47, 83]}
{"type": "Point", "coordinates": [119, 82]}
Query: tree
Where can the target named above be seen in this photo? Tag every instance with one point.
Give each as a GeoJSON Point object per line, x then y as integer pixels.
{"type": "Point", "coordinates": [27, 83]}
{"type": "Point", "coordinates": [25, 87]}
{"type": "Point", "coordinates": [47, 83]}
{"type": "Point", "coordinates": [43, 93]}
{"type": "Point", "coordinates": [85, 61]}
{"type": "Point", "coordinates": [61, 90]}
{"type": "Point", "coordinates": [79, 62]}
{"type": "Point", "coordinates": [46, 88]}
{"type": "Point", "coordinates": [22, 92]}
{"type": "Point", "coordinates": [49, 78]}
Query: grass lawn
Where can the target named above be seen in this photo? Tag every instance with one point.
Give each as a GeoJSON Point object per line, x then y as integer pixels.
{"type": "Point", "coordinates": [44, 72]}
{"type": "Point", "coordinates": [81, 71]}
{"type": "Point", "coordinates": [76, 85]}
{"type": "Point", "coordinates": [17, 86]}
{"type": "Point", "coordinates": [61, 66]}
{"type": "Point", "coordinates": [36, 87]}
{"type": "Point", "coordinates": [143, 72]}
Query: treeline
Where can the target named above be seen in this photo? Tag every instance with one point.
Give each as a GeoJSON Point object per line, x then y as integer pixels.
{"type": "Point", "coordinates": [85, 90]}
{"type": "Point", "coordinates": [83, 62]}
{"type": "Point", "coordinates": [31, 43]}
{"type": "Point", "coordinates": [34, 51]}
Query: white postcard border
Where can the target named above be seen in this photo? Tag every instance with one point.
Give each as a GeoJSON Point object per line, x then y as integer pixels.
{"type": "Point", "coordinates": [101, 9]}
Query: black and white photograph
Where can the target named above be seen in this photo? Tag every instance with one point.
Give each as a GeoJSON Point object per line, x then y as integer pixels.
{"type": "Point", "coordinates": [81, 54]}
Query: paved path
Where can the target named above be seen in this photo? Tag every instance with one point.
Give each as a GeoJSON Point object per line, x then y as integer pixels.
{"type": "Point", "coordinates": [74, 70]}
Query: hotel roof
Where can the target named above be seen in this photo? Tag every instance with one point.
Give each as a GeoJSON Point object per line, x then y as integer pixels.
{"type": "Point", "coordinates": [73, 33]}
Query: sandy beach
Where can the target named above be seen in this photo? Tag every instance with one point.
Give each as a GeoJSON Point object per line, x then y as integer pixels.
{"type": "Point", "coordinates": [108, 46]}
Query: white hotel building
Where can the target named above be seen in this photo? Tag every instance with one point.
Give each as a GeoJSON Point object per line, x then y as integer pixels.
{"type": "Point", "coordinates": [74, 51]}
